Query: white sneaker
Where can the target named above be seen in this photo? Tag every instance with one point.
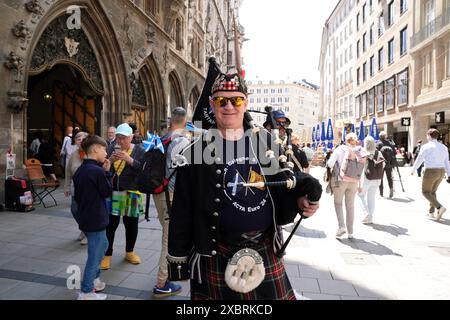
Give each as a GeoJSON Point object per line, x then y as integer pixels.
{"type": "Point", "coordinates": [368, 220]}
{"type": "Point", "coordinates": [91, 296]}
{"type": "Point", "coordinates": [341, 232]}
{"type": "Point", "coordinates": [440, 212]}
{"type": "Point", "coordinates": [84, 241]}
{"type": "Point", "coordinates": [99, 285]}
{"type": "Point", "coordinates": [298, 296]}
{"type": "Point", "coordinates": [350, 236]}
{"type": "Point", "coordinates": [431, 215]}
{"type": "Point", "coordinates": [81, 236]}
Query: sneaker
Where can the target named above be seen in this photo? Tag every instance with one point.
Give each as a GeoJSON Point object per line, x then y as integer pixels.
{"type": "Point", "coordinates": [431, 209]}
{"type": "Point", "coordinates": [91, 296]}
{"type": "Point", "coordinates": [81, 236]}
{"type": "Point", "coordinates": [99, 285]}
{"type": "Point", "coordinates": [350, 236]}
{"type": "Point", "coordinates": [367, 219]}
{"type": "Point", "coordinates": [106, 263]}
{"type": "Point", "coordinates": [440, 212]}
{"type": "Point", "coordinates": [391, 194]}
{"type": "Point", "coordinates": [170, 289]}
{"type": "Point", "coordinates": [431, 215]}
{"type": "Point", "coordinates": [341, 232]}
{"type": "Point", "coordinates": [298, 296]}
{"type": "Point", "coordinates": [84, 241]}
{"type": "Point", "coordinates": [132, 258]}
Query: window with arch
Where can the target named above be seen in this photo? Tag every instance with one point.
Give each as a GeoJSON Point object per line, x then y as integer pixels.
{"type": "Point", "coordinates": [151, 7]}
{"type": "Point", "coordinates": [177, 34]}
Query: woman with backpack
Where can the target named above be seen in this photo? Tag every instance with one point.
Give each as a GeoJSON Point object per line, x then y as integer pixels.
{"type": "Point", "coordinates": [371, 179]}
{"type": "Point", "coordinates": [126, 200]}
{"type": "Point", "coordinates": [347, 163]}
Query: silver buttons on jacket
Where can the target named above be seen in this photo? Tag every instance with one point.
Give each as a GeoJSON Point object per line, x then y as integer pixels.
{"type": "Point", "coordinates": [218, 186]}
{"type": "Point", "coordinates": [217, 200]}
{"type": "Point", "coordinates": [214, 240]}
{"type": "Point", "coordinates": [214, 252]}
{"type": "Point", "coordinates": [215, 214]}
{"type": "Point", "coordinates": [219, 171]}
{"type": "Point", "coordinates": [213, 227]}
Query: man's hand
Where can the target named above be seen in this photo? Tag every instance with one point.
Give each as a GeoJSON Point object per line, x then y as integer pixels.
{"type": "Point", "coordinates": [124, 156]}
{"type": "Point", "coordinates": [107, 165]}
{"type": "Point", "coordinates": [308, 209]}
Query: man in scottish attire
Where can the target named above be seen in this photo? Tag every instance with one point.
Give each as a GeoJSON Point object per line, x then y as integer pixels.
{"type": "Point", "coordinates": [225, 234]}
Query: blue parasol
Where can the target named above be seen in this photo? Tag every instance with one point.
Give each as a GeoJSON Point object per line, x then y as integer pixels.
{"type": "Point", "coordinates": [362, 132]}
{"type": "Point", "coordinates": [353, 128]}
{"type": "Point", "coordinates": [330, 134]}
{"type": "Point", "coordinates": [344, 134]}
{"type": "Point", "coordinates": [374, 130]}
{"type": "Point", "coordinates": [323, 136]}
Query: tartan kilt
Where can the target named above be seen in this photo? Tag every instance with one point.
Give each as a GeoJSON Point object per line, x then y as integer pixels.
{"type": "Point", "coordinates": [276, 285]}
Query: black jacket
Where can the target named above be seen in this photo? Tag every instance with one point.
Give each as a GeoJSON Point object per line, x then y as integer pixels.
{"type": "Point", "coordinates": [92, 187]}
{"type": "Point", "coordinates": [301, 158]}
{"type": "Point", "coordinates": [389, 153]}
{"type": "Point", "coordinates": [128, 178]}
{"type": "Point", "coordinates": [195, 216]}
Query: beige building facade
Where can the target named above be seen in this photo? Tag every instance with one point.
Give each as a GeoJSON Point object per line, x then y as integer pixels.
{"type": "Point", "coordinates": [430, 51]}
{"type": "Point", "coordinates": [94, 64]}
{"type": "Point", "coordinates": [298, 100]}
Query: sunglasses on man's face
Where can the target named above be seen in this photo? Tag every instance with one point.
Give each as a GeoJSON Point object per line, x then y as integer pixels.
{"type": "Point", "coordinates": [222, 101]}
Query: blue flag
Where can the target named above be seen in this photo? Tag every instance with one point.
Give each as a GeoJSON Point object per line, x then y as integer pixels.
{"type": "Point", "coordinates": [153, 142]}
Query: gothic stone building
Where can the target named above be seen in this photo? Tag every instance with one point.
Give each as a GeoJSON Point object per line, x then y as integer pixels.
{"type": "Point", "coordinates": [97, 63]}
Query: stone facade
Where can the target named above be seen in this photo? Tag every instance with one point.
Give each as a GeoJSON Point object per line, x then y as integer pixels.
{"type": "Point", "coordinates": [137, 57]}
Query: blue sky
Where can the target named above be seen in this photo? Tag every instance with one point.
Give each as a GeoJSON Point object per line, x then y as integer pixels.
{"type": "Point", "coordinates": [285, 38]}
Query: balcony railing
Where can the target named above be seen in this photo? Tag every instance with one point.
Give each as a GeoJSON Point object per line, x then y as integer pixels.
{"type": "Point", "coordinates": [430, 29]}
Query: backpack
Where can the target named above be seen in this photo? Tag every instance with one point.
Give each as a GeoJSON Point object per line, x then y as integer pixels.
{"type": "Point", "coordinates": [353, 166]}
{"type": "Point", "coordinates": [375, 167]}
{"type": "Point", "coordinates": [152, 173]}
{"type": "Point", "coordinates": [389, 156]}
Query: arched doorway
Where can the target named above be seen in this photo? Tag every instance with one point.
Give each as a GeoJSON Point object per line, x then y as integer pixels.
{"type": "Point", "coordinates": [148, 98]}
{"type": "Point", "coordinates": [176, 92]}
{"type": "Point", "coordinates": [193, 98]}
{"type": "Point", "coordinates": [88, 84]}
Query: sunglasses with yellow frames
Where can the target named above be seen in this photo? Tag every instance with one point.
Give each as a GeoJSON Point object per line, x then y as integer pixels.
{"type": "Point", "coordinates": [222, 101]}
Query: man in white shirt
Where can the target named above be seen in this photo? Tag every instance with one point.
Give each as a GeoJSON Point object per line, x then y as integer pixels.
{"type": "Point", "coordinates": [435, 156]}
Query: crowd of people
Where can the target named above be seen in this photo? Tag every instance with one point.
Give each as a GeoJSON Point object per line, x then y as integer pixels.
{"type": "Point", "coordinates": [222, 215]}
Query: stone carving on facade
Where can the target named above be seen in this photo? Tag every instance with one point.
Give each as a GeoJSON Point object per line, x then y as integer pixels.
{"type": "Point", "coordinates": [15, 63]}
{"type": "Point", "coordinates": [17, 101]}
{"type": "Point", "coordinates": [150, 33]}
{"type": "Point", "coordinates": [34, 6]}
{"type": "Point", "coordinates": [171, 10]}
{"type": "Point", "coordinates": [128, 33]}
{"type": "Point", "coordinates": [165, 60]}
{"type": "Point", "coordinates": [20, 30]}
{"type": "Point", "coordinates": [51, 48]}
{"type": "Point", "coordinates": [71, 46]}
{"type": "Point", "coordinates": [139, 96]}
{"type": "Point", "coordinates": [133, 79]}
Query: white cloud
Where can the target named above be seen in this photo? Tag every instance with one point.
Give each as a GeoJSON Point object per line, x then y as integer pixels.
{"type": "Point", "coordinates": [285, 38]}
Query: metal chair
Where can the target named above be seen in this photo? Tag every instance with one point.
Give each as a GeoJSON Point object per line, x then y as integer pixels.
{"type": "Point", "coordinates": [39, 182]}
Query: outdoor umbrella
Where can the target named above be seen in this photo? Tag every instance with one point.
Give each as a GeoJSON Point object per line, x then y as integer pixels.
{"type": "Point", "coordinates": [344, 134]}
{"type": "Point", "coordinates": [314, 137]}
{"type": "Point", "coordinates": [330, 134]}
{"type": "Point", "coordinates": [374, 130]}
{"type": "Point", "coordinates": [353, 128]}
{"type": "Point", "coordinates": [323, 136]}
{"type": "Point", "coordinates": [362, 132]}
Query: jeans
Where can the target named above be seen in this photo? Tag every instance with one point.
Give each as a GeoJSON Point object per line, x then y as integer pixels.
{"type": "Point", "coordinates": [97, 244]}
{"type": "Point", "coordinates": [349, 190]}
{"type": "Point", "coordinates": [367, 196]}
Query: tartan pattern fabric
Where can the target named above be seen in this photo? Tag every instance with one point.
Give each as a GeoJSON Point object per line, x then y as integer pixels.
{"type": "Point", "coordinates": [229, 82]}
{"type": "Point", "coordinates": [276, 285]}
{"type": "Point", "coordinates": [127, 203]}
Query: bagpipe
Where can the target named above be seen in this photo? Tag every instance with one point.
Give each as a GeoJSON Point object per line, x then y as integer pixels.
{"type": "Point", "coordinates": [300, 183]}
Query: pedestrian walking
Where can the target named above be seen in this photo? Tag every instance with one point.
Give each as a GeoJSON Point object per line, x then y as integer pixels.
{"type": "Point", "coordinates": [67, 142]}
{"type": "Point", "coordinates": [371, 179]}
{"type": "Point", "coordinates": [389, 154]}
{"type": "Point", "coordinates": [434, 155]}
{"type": "Point", "coordinates": [416, 152]}
{"type": "Point", "coordinates": [175, 141]}
{"type": "Point", "coordinates": [214, 219]}
{"type": "Point", "coordinates": [74, 162]}
{"type": "Point", "coordinates": [347, 162]}
{"type": "Point", "coordinates": [126, 200]}
{"type": "Point", "coordinates": [92, 187]}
